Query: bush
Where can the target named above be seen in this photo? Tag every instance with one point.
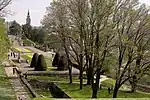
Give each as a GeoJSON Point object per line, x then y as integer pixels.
{"type": "Point", "coordinates": [34, 60]}
{"type": "Point", "coordinates": [41, 64]}
{"type": "Point", "coordinates": [60, 61]}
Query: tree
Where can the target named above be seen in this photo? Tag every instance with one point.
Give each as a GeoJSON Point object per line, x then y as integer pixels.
{"type": "Point", "coordinates": [3, 6]}
{"type": "Point", "coordinates": [53, 42]}
{"type": "Point", "coordinates": [141, 65]}
{"type": "Point", "coordinates": [73, 22]}
{"type": "Point", "coordinates": [129, 16]}
{"type": "Point", "coordinates": [91, 30]}
{"type": "Point", "coordinates": [4, 41]}
{"type": "Point", "coordinates": [34, 60]}
{"type": "Point", "coordinates": [50, 22]}
{"type": "Point", "coordinates": [26, 31]}
{"type": "Point", "coordinates": [41, 64]}
{"type": "Point", "coordinates": [15, 29]}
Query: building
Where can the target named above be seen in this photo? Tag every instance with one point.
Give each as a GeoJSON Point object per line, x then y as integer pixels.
{"type": "Point", "coordinates": [28, 19]}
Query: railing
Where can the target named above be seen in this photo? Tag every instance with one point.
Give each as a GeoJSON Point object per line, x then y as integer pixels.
{"type": "Point", "coordinates": [25, 82]}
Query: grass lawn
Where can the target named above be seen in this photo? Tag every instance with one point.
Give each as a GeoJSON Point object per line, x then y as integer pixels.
{"type": "Point", "coordinates": [55, 78]}
{"type": "Point", "coordinates": [27, 49]}
{"type": "Point", "coordinates": [6, 90]}
{"type": "Point", "coordinates": [74, 91]}
{"type": "Point", "coordinates": [15, 50]}
{"type": "Point", "coordinates": [27, 57]}
{"type": "Point", "coordinates": [20, 50]}
{"type": "Point", "coordinates": [41, 98]}
{"type": "Point", "coordinates": [45, 93]}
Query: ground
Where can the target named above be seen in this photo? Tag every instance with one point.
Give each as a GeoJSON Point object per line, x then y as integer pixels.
{"type": "Point", "coordinates": [72, 89]}
{"type": "Point", "coordinates": [6, 90]}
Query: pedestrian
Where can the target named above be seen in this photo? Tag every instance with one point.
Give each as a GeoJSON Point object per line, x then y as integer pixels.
{"type": "Point", "coordinates": [14, 54]}
{"type": "Point", "coordinates": [11, 54]}
{"type": "Point", "coordinates": [18, 55]}
{"type": "Point", "coordinates": [8, 56]}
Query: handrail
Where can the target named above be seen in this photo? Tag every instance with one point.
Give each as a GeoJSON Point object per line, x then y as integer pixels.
{"type": "Point", "coordinates": [25, 82]}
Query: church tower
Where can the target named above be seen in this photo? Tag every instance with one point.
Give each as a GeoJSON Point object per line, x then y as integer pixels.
{"type": "Point", "coordinates": [28, 19]}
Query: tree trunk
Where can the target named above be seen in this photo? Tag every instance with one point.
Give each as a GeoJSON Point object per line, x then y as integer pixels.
{"type": "Point", "coordinates": [133, 84]}
{"type": "Point", "coordinates": [115, 91]}
{"type": "Point", "coordinates": [98, 77]}
{"type": "Point", "coordinates": [70, 74]}
{"type": "Point", "coordinates": [94, 93]}
{"type": "Point", "coordinates": [89, 75]}
{"type": "Point", "coordinates": [133, 87]}
{"type": "Point", "coordinates": [81, 78]}
{"type": "Point", "coordinates": [96, 85]}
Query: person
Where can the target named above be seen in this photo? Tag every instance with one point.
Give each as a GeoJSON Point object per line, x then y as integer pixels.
{"type": "Point", "coordinates": [8, 56]}
{"type": "Point", "coordinates": [11, 54]}
{"type": "Point", "coordinates": [18, 55]}
{"type": "Point", "coordinates": [14, 54]}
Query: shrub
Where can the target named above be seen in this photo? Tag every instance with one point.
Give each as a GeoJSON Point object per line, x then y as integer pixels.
{"type": "Point", "coordinates": [34, 60]}
{"type": "Point", "coordinates": [41, 64]}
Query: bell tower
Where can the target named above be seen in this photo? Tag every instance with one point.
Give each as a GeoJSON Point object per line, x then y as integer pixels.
{"type": "Point", "coordinates": [28, 19]}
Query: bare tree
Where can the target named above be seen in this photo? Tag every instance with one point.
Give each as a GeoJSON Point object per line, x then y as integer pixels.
{"type": "Point", "coordinates": [90, 29]}
{"type": "Point", "coordinates": [141, 65]}
{"type": "Point", "coordinates": [3, 5]}
{"type": "Point", "coordinates": [128, 16]}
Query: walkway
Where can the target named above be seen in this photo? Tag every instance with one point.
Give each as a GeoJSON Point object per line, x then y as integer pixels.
{"type": "Point", "coordinates": [18, 87]}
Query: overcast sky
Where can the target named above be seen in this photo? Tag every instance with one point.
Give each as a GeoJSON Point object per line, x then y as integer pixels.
{"type": "Point", "coordinates": [37, 10]}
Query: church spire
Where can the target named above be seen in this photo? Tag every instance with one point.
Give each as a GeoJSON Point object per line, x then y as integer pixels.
{"type": "Point", "coordinates": [28, 13]}
{"type": "Point", "coordinates": [28, 20]}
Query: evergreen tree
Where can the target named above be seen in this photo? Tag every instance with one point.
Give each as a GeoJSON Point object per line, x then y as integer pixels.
{"type": "Point", "coordinates": [41, 64]}
{"type": "Point", "coordinates": [34, 60]}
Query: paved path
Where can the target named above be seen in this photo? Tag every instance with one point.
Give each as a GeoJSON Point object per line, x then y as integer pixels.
{"type": "Point", "coordinates": [18, 87]}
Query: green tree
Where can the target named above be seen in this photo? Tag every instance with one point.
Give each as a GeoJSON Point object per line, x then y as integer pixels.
{"type": "Point", "coordinates": [4, 41]}
{"type": "Point", "coordinates": [34, 60]}
{"type": "Point", "coordinates": [15, 28]}
{"type": "Point", "coordinates": [26, 31]}
{"type": "Point", "coordinates": [41, 64]}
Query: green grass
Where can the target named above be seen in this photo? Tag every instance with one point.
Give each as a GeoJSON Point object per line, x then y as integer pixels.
{"type": "Point", "coordinates": [45, 93]}
{"type": "Point", "coordinates": [54, 78]}
{"type": "Point", "coordinates": [28, 49]}
{"type": "Point", "coordinates": [6, 90]}
{"type": "Point", "coordinates": [49, 63]}
{"type": "Point", "coordinates": [74, 91]}
{"type": "Point", "coordinates": [28, 42]}
{"type": "Point", "coordinates": [14, 50]}
{"type": "Point", "coordinates": [41, 98]}
{"type": "Point", "coordinates": [26, 57]}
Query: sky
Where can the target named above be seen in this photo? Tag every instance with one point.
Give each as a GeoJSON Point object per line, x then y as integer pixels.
{"type": "Point", "coordinates": [37, 10]}
{"type": "Point", "coordinates": [19, 8]}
